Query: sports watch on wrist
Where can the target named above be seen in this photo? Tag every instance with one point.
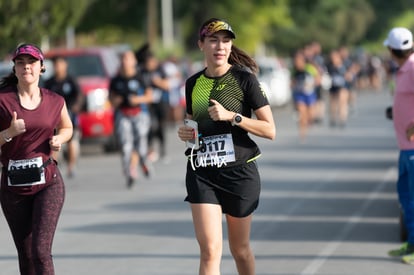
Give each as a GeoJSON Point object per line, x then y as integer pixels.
{"type": "Point", "coordinates": [237, 119]}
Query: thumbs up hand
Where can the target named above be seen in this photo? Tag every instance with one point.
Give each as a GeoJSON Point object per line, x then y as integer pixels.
{"type": "Point", "coordinates": [17, 126]}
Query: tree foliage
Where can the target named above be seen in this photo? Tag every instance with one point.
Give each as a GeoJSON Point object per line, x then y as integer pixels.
{"type": "Point", "coordinates": [332, 23]}
{"type": "Point", "coordinates": [276, 25]}
{"type": "Point", "coordinates": [31, 21]}
{"type": "Point", "coordinates": [117, 22]}
{"type": "Point", "coordinates": [125, 14]}
{"type": "Point", "coordinates": [252, 20]}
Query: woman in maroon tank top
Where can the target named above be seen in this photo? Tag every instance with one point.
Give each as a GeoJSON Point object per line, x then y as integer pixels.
{"type": "Point", "coordinates": [33, 123]}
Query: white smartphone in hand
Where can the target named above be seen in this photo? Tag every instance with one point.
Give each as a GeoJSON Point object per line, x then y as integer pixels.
{"type": "Point", "coordinates": [192, 143]}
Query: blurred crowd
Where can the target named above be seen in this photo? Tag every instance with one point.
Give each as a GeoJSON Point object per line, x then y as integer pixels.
{"type": "Point", "coordinates": [147, 95]}
{"type": "Point", "coordinates": [325, 85]}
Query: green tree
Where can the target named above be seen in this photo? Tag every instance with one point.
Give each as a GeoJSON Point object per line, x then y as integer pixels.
{"type": "Point", "coordinates": [277, 25]}
{"type": "Point", "coordinates": [115, 22]}
{"type": "Point", "coordinates": [125, 21]}
{"type": "Point", "coordinates": [389, 14]}
{"type": "Point", "coordinates": [31, 21]}
{"type": "Point", "coordinates": [252, 20]}
{"type": "Point", "coordinates": [332, 23]}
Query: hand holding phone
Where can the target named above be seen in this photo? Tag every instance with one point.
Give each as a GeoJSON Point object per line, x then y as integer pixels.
{"type": "Point", "coordinates": [193, 143]}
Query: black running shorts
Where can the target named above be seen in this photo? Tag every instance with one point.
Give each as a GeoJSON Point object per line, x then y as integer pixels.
{"type": "Point", "coordinates": [235, 188]}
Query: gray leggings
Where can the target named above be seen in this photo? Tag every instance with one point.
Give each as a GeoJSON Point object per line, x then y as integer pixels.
{"type": "Point", "coordinates": [132, 133]}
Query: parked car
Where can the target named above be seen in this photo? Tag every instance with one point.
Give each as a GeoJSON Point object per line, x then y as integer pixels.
{"type": "Point", "coordinates": [93, 69]}
{"type": "Point", "coordinates": [274, 79]}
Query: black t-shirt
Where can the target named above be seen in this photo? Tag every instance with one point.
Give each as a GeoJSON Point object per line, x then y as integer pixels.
{"type": "Point", "coordinates": [238, 91]}
{"type": "Point", "coordinates": [338, 77]}
{"type": "Point", "coordinates": [68, 88]}
{"type": "Point", "coordinates": [303, 82]}
{"type": "Point", "coordinates": [126, 86]}
{"type": "Point", "coordinates": [159, 95]}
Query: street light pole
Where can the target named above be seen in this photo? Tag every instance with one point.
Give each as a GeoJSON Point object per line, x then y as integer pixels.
{"type": "Point", "coordinates": [152, 21]}
{"type": "Point", "coordinates": [167, 23]}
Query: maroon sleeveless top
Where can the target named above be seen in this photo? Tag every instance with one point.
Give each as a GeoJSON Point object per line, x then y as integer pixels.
{"type": "Point", "coordinates": [40, 125]}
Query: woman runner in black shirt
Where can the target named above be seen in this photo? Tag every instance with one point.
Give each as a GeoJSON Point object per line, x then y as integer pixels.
{"type": "Point", "coordinates": [222, 175]}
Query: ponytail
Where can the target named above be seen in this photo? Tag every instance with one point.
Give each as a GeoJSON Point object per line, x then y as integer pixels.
{"type": "Point", "coordinates": [242, 59]}
{"type": "Point", "coordinates": [9, 80]}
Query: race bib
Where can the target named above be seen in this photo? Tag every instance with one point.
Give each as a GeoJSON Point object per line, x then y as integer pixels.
{"type": "Point", "coordinates": [217, 151]}
{"type": "Point", "coordinates": [20, 172]}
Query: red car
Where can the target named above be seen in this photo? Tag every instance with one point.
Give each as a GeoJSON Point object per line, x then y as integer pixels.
{"type": "Point", "coordinates": [93, 69]}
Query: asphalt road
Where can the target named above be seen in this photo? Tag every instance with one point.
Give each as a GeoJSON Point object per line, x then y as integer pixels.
{"type": "Point", "coordinates": [327, 207]}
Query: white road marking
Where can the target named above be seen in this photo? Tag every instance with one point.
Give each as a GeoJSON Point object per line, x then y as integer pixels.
{"type": "Point", "coordinates": [314, 266]}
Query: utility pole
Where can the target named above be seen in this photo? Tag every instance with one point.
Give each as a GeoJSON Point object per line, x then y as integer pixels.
{"type": "Point", "coordinates": [152, 20]}
{"type": "Point", "coordinates": [167, 23]}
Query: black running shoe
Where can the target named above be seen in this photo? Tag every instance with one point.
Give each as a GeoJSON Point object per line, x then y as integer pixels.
{"type": "Point", "coordinates": [146, 170]}
{"type": "Point", "coordinates": [130, 182]}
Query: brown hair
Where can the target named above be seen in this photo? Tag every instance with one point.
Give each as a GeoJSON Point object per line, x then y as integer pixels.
{"type": "Point", "coordinates": [9, 80]}
{"type": "Point", "coordinates": [240, 58]}
{"type": "Point", "coordinates": [401, 54]}
{"type": "Point", "coordinates": [237, 56]}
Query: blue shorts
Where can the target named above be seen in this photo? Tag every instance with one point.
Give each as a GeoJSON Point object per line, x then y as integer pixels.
{"type": "Point", "coordinates": [307, 99]}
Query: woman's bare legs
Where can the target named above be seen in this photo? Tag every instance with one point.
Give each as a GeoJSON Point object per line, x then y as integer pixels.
{"type": "Point", "coordinates": [239, 240]}
{"type": "Point", "coordinates": [207, 219]}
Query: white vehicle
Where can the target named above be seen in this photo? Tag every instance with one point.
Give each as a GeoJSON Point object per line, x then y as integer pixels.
{"type": "Point", "coordinates": [275, 81]}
